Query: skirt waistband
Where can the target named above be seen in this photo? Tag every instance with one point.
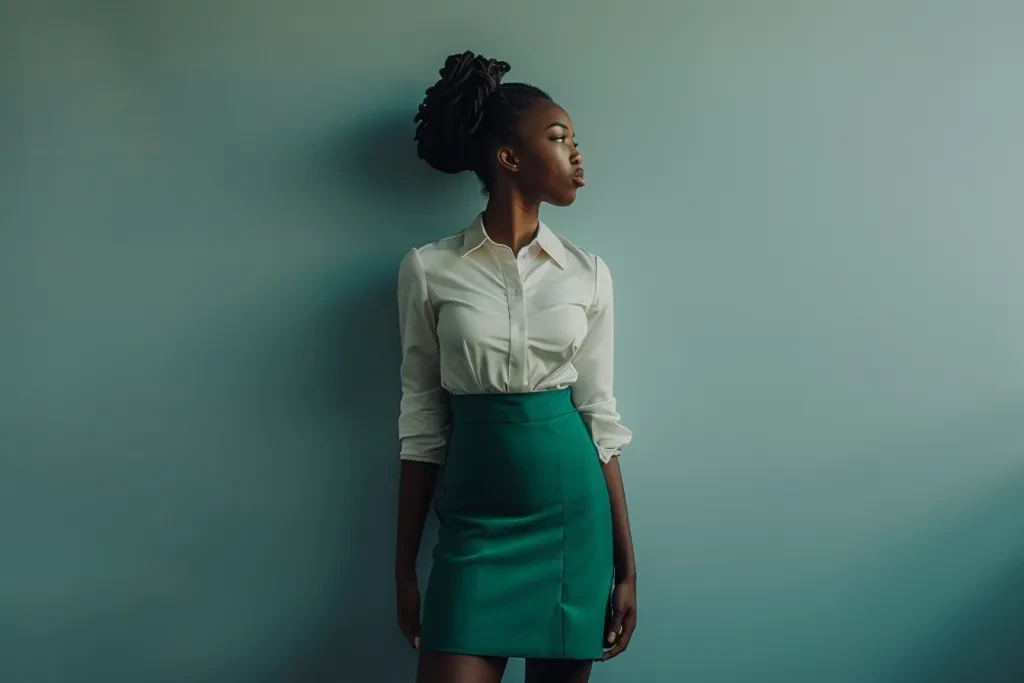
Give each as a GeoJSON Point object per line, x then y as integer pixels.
{"type": "Point", "coordinates": [512, 408]}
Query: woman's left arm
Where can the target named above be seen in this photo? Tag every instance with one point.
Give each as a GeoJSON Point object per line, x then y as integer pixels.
{"type": "Point", "coordinates": [623, 616]}
{"type": "Point", "coordinates": [595, 400]}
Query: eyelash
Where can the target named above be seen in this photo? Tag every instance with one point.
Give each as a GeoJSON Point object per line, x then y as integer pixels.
{"type": "Point", "coordinates": [562, 138]}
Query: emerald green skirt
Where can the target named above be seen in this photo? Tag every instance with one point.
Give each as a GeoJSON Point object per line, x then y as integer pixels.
{"type": "Point", "coordinates": [523, 562]}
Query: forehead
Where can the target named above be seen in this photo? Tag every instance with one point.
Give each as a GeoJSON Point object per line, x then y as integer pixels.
{"type": "Point", "coordinates": [541, 115]}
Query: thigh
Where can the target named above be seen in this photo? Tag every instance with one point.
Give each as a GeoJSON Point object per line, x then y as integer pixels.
{"type": "Point", "coordinates": [558, 670]}
{"type": "Point", "coordinates": [445, 667]}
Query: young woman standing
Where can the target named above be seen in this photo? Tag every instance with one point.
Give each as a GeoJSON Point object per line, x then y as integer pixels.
{"type": "Point", "coordinates": [507, 405]}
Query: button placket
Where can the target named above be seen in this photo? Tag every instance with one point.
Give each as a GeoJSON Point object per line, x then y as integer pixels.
{"type": "Point", "coordinates": [517, 323]}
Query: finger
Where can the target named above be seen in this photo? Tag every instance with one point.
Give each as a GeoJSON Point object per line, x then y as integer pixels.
{"type": "Point", "coordinates": [404, 626]}
{"type": "Point", "coordinates": [627, 633]}
{"type": "Point", "coordinates": [617, 650]}
{"type": "Point", "coordinates": [413, 638]}
{"type": "Point", "coordinates": [416, 632]}
{"type": "Point", "coordinates": [614, 652]}
{"type": "Point", "coordinates": [629, 624]}
{"type": "Point", "coordinates": [614, 626]}
{"type": "Point", "coordinates": [411, 630]}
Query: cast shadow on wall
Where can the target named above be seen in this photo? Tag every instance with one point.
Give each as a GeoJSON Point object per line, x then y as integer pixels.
{"type": "Point", "coordinates": [982, 640]}
{"type": "Point", "coordinates": [357, 347]}
{"type": "Point", "coordinates": [951, 573]}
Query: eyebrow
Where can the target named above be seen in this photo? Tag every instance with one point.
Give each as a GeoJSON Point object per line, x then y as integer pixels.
{"type": "Point", "coordinates": [557, 123]}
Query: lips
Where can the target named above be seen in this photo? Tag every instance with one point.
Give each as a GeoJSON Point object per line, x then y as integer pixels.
{"type": "Point", "coordinates": [578, 178]}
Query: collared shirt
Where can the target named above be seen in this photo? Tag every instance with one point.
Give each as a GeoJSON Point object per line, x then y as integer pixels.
{"type": "Point", "coordinates": [476, 318]}
{"type": "Point", "coordinates": [527, 254]}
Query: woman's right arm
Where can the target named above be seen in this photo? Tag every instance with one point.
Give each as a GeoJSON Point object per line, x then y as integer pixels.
{"type": "Point", "coordinates": [423, 428]}
{"type": "Point", "coordinates": [415, 489]}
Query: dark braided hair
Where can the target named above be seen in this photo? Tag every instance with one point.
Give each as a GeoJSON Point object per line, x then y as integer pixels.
{"type": "Point", "coordinates": [468, 113]}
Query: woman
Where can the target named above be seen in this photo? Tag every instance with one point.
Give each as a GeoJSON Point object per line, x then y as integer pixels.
{"type": "Point", "coordinates": [506, 334]}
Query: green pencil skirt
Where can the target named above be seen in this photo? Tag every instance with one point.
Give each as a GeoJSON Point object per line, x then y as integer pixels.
{"type": "Point", "coordinates": [523, 562]}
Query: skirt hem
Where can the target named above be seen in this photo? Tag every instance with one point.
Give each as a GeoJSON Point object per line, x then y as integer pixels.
{"type": "Point", "coordinates": [507, 654]}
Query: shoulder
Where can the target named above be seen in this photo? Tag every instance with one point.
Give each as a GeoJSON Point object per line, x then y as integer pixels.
{"type": "Point", "coordinates": [590, 267]}
{"type": "Point", "coordinates": [433, 253]}
{"type": "Point", "coordinates": [432, 256]}
{"type": "Point", "coordinates": [451, 244]}
{"type": "Point", "coordinates": [582, 259]}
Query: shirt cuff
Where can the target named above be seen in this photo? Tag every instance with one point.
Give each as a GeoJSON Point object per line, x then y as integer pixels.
{"type": "Point", "coordinates": [422, 457]}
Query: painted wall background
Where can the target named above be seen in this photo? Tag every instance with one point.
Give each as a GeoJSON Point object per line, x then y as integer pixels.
{"type": "Point", "coordinates": [814, 217]}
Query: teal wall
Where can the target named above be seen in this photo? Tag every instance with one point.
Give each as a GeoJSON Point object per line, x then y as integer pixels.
{"type": "Point", "coordinates": [814, 216]}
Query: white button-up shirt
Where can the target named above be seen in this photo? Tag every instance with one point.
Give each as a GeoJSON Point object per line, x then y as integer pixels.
{"type": "Point", "coordinates": [476, 318]}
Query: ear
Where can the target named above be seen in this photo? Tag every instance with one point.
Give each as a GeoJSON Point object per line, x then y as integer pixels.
{"type": "Point", "coordinates": [508, 160]}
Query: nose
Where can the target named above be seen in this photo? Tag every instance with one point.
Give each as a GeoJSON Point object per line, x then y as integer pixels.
{"type": "Point", "coordinates": [576, 158]}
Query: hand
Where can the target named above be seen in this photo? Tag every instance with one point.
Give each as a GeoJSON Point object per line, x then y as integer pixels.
{"type": "Point", "coordinates": [408, 592]}
{"type": "Point", "coordinates": [623, 618]}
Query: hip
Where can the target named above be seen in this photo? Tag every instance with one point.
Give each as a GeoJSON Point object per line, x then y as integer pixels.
{"type": "Point", "coordinates": [519, 454]}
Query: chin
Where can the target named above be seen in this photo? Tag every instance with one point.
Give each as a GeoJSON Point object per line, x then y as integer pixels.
{"type": "Point", "coordinates": [562, 199]}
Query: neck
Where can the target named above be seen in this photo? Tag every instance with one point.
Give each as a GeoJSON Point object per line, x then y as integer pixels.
{"type": "Point", "coordinates": [511, 220]}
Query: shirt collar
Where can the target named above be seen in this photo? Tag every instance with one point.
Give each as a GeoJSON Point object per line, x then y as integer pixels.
{"type": "Point", "coordinates": [475, 236]}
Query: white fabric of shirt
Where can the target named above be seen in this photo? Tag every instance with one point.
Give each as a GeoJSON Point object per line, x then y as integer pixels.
{"type": "Point", "coordinates": [475, 318]}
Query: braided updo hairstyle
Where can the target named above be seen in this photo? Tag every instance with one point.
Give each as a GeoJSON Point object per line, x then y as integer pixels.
{"type": "Point", "coordinates": [468, 113]}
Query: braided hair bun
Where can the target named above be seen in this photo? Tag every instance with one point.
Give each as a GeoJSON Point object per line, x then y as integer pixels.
{"type": "Point", "coordinates": [451, 114]}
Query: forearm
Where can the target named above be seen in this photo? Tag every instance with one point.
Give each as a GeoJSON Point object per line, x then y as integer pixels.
{"type": "Point", "coordinates": [415, 490]}
{"type": "Point", "coordinates": [622, 538]}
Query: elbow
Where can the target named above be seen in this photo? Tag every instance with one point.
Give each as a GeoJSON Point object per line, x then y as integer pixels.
{"type": "Point", "coordinates": [430, 448]}
{"type": "Point", "coordinates": [423, 436]}
{"type": "Point", "coordinates": [610, 436]}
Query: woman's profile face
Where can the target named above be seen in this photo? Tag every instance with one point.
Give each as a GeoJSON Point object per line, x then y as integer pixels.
{"type": "Point", "coordinates": [546, 164]}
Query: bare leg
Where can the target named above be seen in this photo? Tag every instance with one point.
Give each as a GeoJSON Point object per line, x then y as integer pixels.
{"type": "Point", "coordinates": [444, 667]}
{"type": "Point", "coordinates": [558, 670]}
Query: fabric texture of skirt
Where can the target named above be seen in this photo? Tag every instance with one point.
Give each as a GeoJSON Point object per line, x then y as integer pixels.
{"type": "Point", "coordinates": [523, 562]}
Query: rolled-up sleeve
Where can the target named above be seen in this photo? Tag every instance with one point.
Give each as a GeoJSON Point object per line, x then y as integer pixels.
{"type": "Point", "coordinates": [423, 423]}
{"type": "Point", "coordinates": [592, 392]}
